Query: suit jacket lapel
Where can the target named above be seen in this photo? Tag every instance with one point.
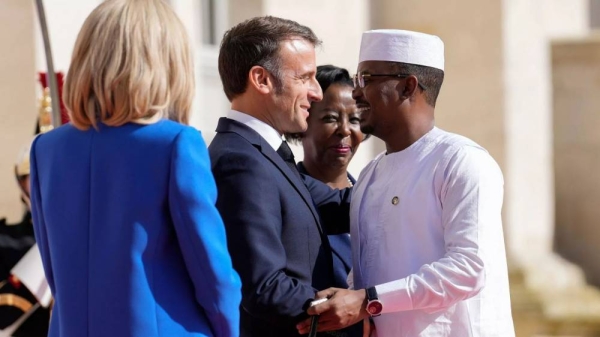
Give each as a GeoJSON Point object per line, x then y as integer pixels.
{"type": "Point", "coordinates": [229, 125]}
{"type": "Point", "coordinates": [298, 185]}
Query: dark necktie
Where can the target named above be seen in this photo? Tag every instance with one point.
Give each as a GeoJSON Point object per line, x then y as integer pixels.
{"type": "Point", "coordinates": [286, 154]}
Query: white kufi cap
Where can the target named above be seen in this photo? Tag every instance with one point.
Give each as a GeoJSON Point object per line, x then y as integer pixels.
{"type": "Point", "coordinates": [402, 46]}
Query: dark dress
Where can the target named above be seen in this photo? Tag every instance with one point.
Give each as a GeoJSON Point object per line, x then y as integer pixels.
{"type": "Point", "coordinates": [342, 263]}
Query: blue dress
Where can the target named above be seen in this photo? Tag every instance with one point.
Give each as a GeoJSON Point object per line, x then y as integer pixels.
{"type": "Point", "coordinates": [341, 252]}
{"type": "Point", "coordinates": [131, 241]}
{"type": "Point", "coordinates": [340, 248]}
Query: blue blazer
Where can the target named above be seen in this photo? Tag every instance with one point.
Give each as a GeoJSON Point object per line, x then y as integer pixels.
{"type": "Point", "coordinates": [131, 242]}
{"type": "Point", "coordinates": [274, 229]}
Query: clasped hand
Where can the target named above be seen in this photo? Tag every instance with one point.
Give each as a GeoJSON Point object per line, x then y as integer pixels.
{"type": "Point", "coordinates": [344, 308]}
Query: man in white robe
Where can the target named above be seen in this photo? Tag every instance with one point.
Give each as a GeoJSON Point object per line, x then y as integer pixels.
{"type": "Point", "coordinates": [427, 240]}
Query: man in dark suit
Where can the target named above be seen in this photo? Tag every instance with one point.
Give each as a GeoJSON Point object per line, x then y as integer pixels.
{"type": "Point", "coordinates": [272, 214]}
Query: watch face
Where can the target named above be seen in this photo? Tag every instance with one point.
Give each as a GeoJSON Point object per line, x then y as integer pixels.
{"type": "Point", "coordinates": [374, 308]}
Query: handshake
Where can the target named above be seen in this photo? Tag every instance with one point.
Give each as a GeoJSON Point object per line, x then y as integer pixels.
{"type": "Point", "coordinates": [335, 309]}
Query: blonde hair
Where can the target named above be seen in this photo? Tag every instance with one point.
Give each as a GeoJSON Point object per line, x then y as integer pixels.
{"type": "Point", "coordinates": [132, 60]}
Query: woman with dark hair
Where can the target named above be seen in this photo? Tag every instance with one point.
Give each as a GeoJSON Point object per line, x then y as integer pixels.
{"type": "Point", "coordinates": [330, 141]}
{"type": "Point", "coordinates": [333, 134]}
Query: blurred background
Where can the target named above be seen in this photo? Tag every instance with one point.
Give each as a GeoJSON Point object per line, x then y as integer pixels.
{"type": "Point", "coordinates": [522, 79]}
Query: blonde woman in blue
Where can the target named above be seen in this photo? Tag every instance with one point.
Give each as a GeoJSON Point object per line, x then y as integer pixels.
{"type": "Point", "coordinates": [123, 197]}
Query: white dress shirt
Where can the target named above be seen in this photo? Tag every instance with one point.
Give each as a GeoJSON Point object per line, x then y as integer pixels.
{"type": "Point", "coordinates": [427, 232]}
{"type": "Point", "coordinates": [265, 130]}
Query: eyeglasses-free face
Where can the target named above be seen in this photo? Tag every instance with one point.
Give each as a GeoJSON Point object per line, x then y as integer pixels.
{"type": "Point", "coordinates": [359, 79]}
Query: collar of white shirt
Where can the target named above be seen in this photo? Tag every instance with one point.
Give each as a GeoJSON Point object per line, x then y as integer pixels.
{"type": "Point", "coordinates": [264, 130]}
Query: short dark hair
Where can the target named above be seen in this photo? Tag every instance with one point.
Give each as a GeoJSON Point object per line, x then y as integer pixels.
{"type": "Point", "coordinates": [255, 42]}
{"type": "Point", "coordinates": [429, 77]}
{"type": "Point", "coordinates": [327, 75]}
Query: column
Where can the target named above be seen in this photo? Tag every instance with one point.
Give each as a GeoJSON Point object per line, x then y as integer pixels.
{"type": "Point", "coordinates": [576, 70]}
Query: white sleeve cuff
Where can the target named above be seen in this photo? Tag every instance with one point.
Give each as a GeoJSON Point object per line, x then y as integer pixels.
{"type": "Point", "coordinates": [394, 296]}
{"type": "Point", "coordinates": [350, 279]}
{"type": "Point", "coordinates": [30, 272]}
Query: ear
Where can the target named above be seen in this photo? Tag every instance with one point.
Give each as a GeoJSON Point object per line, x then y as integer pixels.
{"type": "Point", "coordinates": [259, 78]}
{"type": "Point", "coordinates": [411, 84]}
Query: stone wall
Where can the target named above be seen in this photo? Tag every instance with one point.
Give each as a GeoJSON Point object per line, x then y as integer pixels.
{"type": "Point", "coordinates": [17, 96]}
{"type": "Point", "coordinates": [576, 84]}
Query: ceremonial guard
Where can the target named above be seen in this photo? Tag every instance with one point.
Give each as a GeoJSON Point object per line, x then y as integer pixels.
{"type": "Point", "coordinates": [24, 293]}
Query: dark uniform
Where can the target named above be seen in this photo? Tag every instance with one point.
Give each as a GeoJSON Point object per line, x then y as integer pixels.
{"type": "Point", "coordinates": [15, 299]}
{"type": "Point", "coordinates": [20, 308]}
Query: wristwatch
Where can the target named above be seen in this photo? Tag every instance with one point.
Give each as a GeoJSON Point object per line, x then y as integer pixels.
{"type": "Point", "coordinates": [374, 305]}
